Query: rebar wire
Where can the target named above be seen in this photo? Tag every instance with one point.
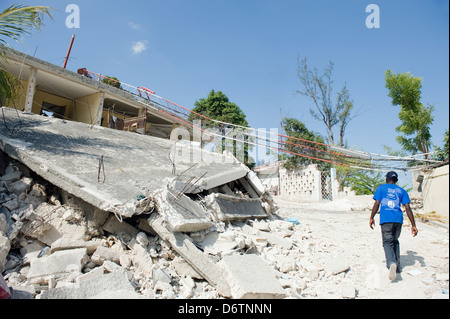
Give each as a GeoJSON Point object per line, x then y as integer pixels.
{"type": "Point", "coordinates": [101, 169]}
{"type": "Point", "coordinates": [189, 185]}
{"type": "Point", "coordinates": [16, 127]}
{"type": "Point", "coordinates": [183, 190]}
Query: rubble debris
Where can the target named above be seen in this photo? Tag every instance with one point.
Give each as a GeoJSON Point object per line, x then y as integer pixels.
{"type": "Point", "coordinates": [114, 285]}
{"type": "Point", "coordinates": [142, 233]}
{"type": "Point", "coordinates": [57, 245]}
{"type": "Point", "coordinates": [58, 265]}
{"type": "Point", "coordinates": [348, 290]}
{"type": "Point", "coordinates": [5, 246]}
{"type": "Point", "coordinates": [226, 207]}
{"type": "Point", "coordinates": [181, 213]}
{"type": "Point", "coordinates": [251, 278]}
{"type": "Point", "coordinates": [200, 262]}
{"type": "Point", "coordinates": [67, 154]}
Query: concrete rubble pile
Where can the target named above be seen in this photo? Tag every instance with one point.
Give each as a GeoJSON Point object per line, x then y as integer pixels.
{"type": "Point", "coordinates": [88, 212]}
{"type": "Point", "coordinates": [54, 245]}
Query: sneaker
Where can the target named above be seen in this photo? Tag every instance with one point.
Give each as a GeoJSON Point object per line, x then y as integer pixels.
{"type": "Point", "coordinates": [393, 272]}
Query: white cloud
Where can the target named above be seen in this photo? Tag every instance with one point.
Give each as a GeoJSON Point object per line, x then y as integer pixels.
{"type": "Point", "coordinates": [139, 46]}
{"type": "Point", "coordinates": [134, 26]}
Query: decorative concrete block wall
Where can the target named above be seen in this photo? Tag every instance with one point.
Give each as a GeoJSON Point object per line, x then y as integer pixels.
{"type": "Point", "coordinates": [301, 184]}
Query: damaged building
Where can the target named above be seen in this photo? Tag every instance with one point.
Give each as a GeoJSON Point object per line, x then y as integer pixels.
{"type": "Point", "coordinates": [93, 212]}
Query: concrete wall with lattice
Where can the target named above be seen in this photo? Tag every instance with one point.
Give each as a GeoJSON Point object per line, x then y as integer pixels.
{"type": "Point", "coordinates": [301, 184]}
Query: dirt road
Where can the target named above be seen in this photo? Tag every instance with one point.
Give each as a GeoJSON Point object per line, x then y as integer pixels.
{"type": "Point", "coordinates": [340, 231]}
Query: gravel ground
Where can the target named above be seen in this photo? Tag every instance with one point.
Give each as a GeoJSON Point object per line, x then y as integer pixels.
{"type": "Point", "coordinates": [340, 230]}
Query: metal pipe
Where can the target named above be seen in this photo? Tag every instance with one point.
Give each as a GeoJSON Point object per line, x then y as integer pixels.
{"type": "Point", "coordinates": [68, 51]}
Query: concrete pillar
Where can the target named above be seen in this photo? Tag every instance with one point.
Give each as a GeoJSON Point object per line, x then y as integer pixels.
{"type": "Point", "coordinates": [30, 91]}
{"type": "Point", "coordinates": [317, 194]}
{"type": "Point", "coordinates": [101, 101]}
{"type": "Point", "coordinates": [334, 186]}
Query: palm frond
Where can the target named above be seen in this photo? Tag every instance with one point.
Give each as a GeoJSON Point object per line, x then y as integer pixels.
{"type": "Point", "coordinates": [18, 20]}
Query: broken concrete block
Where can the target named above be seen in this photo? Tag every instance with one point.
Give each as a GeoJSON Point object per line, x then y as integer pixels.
{"type": "Point", "coordinates": [94, 273]}
{"type": "Point", "coordinates": [255, 182]}
{"type": "Point", "coordinates": [181, 213]}
{"type": "Point", "coordinates": [160, 275]}
{"type": "Point", "coordinates": [5, 246]}
{"type": "Point", "coordinates": [95, 217]}
{"type": "Point", "coordinates": [58, 264]}
{"type": "Point", "coordinates": [229, 173]}
{"type": "Point", "coordinates": [11, 204]}
{"type": "Point", "coordinates": [276, 240]}
{"type": "Point", "coordinates": [31, 250]}
{"type": "Point", "coordinates": [286, 264]}
{"type": "Point", "coordinates": [21, 186]}
{"type": "Point", "coordinates": [184, 269]}
{"type": "Point", "coordinates": [11, 177]}
{"type": "Point", "coordinates": [336, 265]}
{"type": "Point", "coordinates": [217, 244]}
{"type": "Point", "coordinates": [248, 188]}
{"type": "Point", "coordinates": [103, 253]}
{"type": "Point", "coordinates": [4, 226]}
{"type": "Point", "coordinates": [251, 278]}
{"type": "Point", "coordinates": [112, 285]}
{"type": "Point", "coordinates": [142, 239]}
{"type": "Point", "coordinates": [226, 208]}
{"type": "Point", "coordinates": [46, 225]}
{"type": "Point", "coordinates": [348, 289]}
{"type": "Point", "coordinates": [165, 289]}
{"type": "Point", "coordinates": [37, 196]}
{"type": "Point", "coordinates": [142, 260]}
{"type": "Point", "coordinates": [114, 226]}
{"type": "Point", "coordinates": [309, 268]}
{"type": "Point", "coordinates": [191, 254]}
{"type": "Point", "coordinates": [65, 243]}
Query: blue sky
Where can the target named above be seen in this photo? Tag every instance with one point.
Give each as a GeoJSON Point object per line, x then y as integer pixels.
{"type": "Point", "coordinates": [248, 49]}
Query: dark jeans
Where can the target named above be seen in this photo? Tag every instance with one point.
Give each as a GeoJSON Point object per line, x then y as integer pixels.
{"type": "Point", "coordinates": [390, 233]}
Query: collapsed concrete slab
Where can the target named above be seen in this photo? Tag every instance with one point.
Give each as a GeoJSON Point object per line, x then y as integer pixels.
{"type": "Point", "coordinates": [181, 213]}
{"type": "Point", "coordinates": [211, 181]}
{"type": "Point", "coordinates": [251, 278]}
{"type": "Point", "coordinates": [226, 207]}
{"type": "Point", "coordinates": [110, 169]}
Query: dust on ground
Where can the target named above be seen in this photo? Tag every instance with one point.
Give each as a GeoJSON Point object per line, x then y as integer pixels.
{"type": "Point", "coordinates": [340, 229]}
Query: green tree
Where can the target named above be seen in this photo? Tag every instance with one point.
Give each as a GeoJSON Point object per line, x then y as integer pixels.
{"type": "Point", "coordinates": [416, 118]}
{"type": "Point", "coordinates": [319, 88]}
{"type": "Point", "coordinates": [218, 107]}
{"type": "Point", "coordinates": [442, 152]}
{"type": "Point", "coordinates": [365, 183]}
{"type": "Point", "coordinates": [308, 150]}
{"type": "Point", "coordinates": [15, 22]}
{"type": "Point", "coordinates": [113, 81]}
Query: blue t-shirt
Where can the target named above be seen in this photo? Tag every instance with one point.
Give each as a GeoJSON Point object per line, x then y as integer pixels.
{"type": "Point", "coordinates": [391, 198]}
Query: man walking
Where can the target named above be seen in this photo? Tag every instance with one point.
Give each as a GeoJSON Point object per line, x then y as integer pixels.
{"type": "Point", "coordinates": [389, 198]}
